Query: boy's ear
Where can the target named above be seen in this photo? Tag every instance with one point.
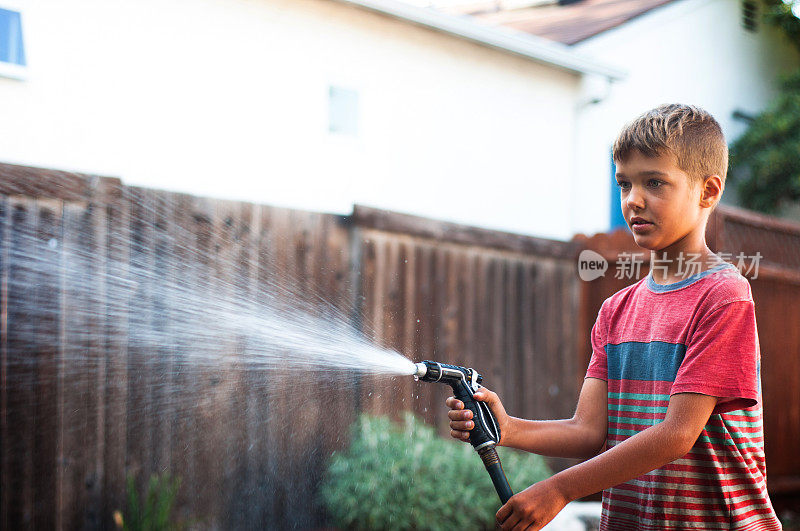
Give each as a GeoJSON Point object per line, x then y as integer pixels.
{"type": "Point", "coordinates": [712, 188]}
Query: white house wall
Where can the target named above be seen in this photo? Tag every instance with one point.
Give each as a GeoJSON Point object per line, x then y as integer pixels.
{"type": "Point", "coordinates": [230, 99]}
{"type": "Point", "coordinates": [691, 51]}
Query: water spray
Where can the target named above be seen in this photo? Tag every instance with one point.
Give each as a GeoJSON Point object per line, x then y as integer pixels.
{"type": "Point", "coordinates": [485, 434]}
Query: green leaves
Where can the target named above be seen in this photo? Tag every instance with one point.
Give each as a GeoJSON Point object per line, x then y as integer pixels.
{"type": "Point", "coordinates": [404, 476]}
{"type": "Point", "coordinates": [153, 511]}
{"type": "Point", "coordinates": [780, 13]}
{"type": "Point", "coordinates": [765, 160]}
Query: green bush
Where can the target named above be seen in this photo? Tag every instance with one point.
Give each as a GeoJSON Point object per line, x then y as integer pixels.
{"type": "Point", "coordinates": [152, 511]}
{"type": "Point", "coordinates": [404, 476]}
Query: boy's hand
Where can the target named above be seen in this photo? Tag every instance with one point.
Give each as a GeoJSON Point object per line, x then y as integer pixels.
{"type": "Point", "coordinates": [532, 508]}
{"type": "Point", "coordinates": [461, 419]}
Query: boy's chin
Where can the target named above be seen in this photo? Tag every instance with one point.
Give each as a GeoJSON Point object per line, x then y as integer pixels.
{"type": "Point", "coordinates": [648, 244]}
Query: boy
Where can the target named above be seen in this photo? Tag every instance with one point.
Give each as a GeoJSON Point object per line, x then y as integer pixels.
{"type": "Point", "coordinates": [668, 415]}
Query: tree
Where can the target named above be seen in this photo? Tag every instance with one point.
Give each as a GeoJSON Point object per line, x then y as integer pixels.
{"type": "Point", "coordinates": [785, 14]}
{"type": "Point", "coordinates": [765, 160]}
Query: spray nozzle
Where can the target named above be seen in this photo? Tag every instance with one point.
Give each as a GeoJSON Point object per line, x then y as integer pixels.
{"type": "Point", "coordinates": [433, 371]}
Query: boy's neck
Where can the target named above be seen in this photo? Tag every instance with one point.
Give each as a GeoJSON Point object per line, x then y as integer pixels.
{"type": "Point", "coordinates": [669, 267]}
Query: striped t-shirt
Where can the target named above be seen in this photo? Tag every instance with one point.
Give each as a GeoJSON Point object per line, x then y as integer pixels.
{"type": "Point", "coordinates": [698, 335]}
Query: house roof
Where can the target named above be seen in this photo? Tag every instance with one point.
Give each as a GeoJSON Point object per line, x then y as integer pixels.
{"type": "Point", "coordinates": [507, 39]}
{"type": "Point", "coordinates": [567, 23]}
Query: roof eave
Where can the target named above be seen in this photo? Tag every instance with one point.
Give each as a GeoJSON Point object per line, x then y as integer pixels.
{"type": "Point", "coordinates": [528, 46]}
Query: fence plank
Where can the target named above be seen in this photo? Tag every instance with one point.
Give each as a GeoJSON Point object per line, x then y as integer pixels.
{"type": "Point", "coordinates": [78, 428]}
{"type": "Point", "coordinates": [94, 245]}
{"type": "Point", "coordinates": [46, 329]}
{"type": "Point", "coordinates": [117, 301]}
{"type": "Point", "coordinates": [142, 422]}
{"type": "Point", "coordinates": [6, 454]}
{"type": "Point", "coordinates": [21, 382]}
{"type": "Point", "coordinates": [775, 305]}
{"type": "Point", "coordinates": [206, 377]}
{"type": "Point", "coordinates": [424, 337]}
{"type": "Point", "coordinates": [162, 364]}
{"type": "Point", "coordinates": [264, 428]}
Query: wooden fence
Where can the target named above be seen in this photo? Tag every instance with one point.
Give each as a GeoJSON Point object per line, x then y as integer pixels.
{"type": "Point", "coordinates": [98, 384]}
{"type": "Point", "coordinates": [85, 398]}
{"type": "Point", "coordinates": [503, 303]}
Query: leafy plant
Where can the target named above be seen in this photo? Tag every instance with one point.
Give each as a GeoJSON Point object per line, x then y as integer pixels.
{"type": "Point", "coordinates": [782, 14]}
{"type": "Point", "coordinates": [769, 151]}
{"type": "Point", "coordinates": [764, 160]}
{"type": "Point", "coordinates": [153, 511]}
{"type": "Point", "coordinates": [404, 476]}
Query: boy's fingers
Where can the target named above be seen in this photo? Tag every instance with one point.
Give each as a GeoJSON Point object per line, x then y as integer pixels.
{"type": "Point", "coordinates": [461, 435]}
{"type": "Point", "coordinates": [461, 426]}
{"type": "Point", "coordinates": [459, 414]}
{"type": "Point", "coordinates": [503, 516]}
{"type": "Point", "coordinates": [483, 395]}
{"type": "Point", "coordinates": [454, 403]}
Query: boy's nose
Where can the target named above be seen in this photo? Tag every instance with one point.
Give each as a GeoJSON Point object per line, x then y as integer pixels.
{"type": "Point", "coordinates": [635, 199]}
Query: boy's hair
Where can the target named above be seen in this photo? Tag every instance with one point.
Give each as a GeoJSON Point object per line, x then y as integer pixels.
{"type": "Point", "coordinates": [688, 132]}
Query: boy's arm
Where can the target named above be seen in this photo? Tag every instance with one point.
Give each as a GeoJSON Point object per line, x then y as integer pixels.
{"type": "Point", "coordinates": [581, 436]}
{"type": "Point", "coordinates": [687, 415]}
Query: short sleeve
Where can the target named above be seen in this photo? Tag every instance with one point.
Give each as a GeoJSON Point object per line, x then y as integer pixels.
{"type": "Point", "coordinates": [598, 365]}
{"type": "Point", "coordinates": [722, 358]}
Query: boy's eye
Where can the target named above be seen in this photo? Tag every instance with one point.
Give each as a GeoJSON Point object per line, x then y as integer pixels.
{"type": "Point", "coordinates": [655, 183]}
{"type": "Point", "coordinates": [623, 184]}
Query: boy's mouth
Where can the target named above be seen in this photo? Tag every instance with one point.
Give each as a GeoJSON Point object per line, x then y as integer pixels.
{"type": "Point", "coordinates": [640, 225]}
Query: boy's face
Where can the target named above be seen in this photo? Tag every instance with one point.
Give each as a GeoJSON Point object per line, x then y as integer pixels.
{"type": "Point", "coordinates": [658, 191]}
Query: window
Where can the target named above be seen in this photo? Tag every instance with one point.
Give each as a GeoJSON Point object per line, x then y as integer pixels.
{"type": "Point", "coordinates": [343, 111]}
{"type": "Point", "coordinates": [749, 15]}
{"type": "Point", "coordinates": [12, 49]}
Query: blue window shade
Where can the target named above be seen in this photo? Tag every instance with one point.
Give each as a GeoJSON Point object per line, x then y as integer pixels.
{"type": "Point", "coordinates": [617, 219]}
{"type": "Point", "coordinates": [343, 111]}
{"type": "Point", "coordinates": [11, 48]}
